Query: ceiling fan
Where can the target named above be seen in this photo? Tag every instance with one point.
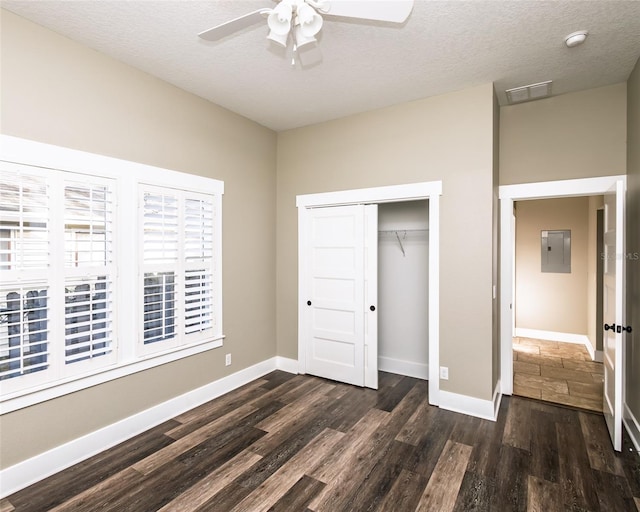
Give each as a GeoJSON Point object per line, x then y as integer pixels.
{"type": "Point", "coordinates": [301, 20]}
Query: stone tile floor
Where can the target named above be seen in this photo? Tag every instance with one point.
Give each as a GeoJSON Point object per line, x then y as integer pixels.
{"type": "Point", "coordinates": [557, 372]}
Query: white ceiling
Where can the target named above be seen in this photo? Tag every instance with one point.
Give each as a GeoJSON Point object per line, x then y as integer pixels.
{"type": "Point", "coordinates": [357, 66]}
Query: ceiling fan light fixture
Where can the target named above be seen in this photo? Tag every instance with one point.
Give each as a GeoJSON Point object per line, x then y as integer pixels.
{"type": "Point", "coordinates": [279, 20]}
{"type": "Point", "coordinates": [281, 39]}
{"type": "Point", "coordinates": [301, 38]}
{"type": "Point", "coordinates": [310, 21]}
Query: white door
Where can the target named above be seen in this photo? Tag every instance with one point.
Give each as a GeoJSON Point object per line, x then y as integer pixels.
{"type": "Point", "coordinates": [335, 319]}
{"type": "Point", "coordinates": [613, 311]}
{"type": "Point", "coordinates": [371, 296]}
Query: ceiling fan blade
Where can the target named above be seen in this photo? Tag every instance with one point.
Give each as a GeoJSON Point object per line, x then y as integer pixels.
{"type": "Point", "coordinates": [229, 27]}
{"type": "Point", "coordinates": [396, 11]}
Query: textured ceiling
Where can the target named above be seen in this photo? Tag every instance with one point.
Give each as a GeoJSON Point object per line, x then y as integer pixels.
{"type": "Point", "coordinates": [357, 66]}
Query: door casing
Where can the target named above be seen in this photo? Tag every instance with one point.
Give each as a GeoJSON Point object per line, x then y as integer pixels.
{"type": "Point", "coordinates": [430, 191]}
{"type": "Point", "coordinates": [508, 195]}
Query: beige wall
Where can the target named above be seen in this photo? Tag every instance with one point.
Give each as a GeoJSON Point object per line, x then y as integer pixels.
{"type": "Point", "coordinates": [551, 301]}
{"type": "Point", "coordinates": [59, 92]}
{"type": "Point", "coordinates": [448, 138]}
{"type": "Point", "coordinates": [633, 241]}
{"type": "Point", "coordinates": [576, 135]}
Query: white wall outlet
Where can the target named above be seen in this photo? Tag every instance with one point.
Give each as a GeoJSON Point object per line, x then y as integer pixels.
{"type": "Point", "coordinates": [227, 360]}
{"type": "Point", "coordinates": [444, 372]}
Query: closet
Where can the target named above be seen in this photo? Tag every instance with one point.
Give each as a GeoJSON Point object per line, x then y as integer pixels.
{"type": "Point", "coordinates": [403, 284]}
{"type": "Point", "coordinates": [364, 290]}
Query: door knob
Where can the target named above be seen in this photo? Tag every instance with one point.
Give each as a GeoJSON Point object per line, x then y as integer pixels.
{"type": "Point", "coordinates": [618, 328]}
{"type": "Point", "coordinates": [372, 308]}
{"type": "Point", "coordinates": [308, 303]}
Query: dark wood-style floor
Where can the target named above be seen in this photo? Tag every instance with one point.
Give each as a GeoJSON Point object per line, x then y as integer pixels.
{"type": "Point", "coordinates": [299, 443]}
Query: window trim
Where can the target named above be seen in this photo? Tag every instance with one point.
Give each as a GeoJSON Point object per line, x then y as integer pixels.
{"type": "Point", "coordinates": [127, 176]}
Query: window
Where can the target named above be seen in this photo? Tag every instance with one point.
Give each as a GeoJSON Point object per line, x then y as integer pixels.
{"type": "Point", "coordinates": [177, 262]}
{"type": "Point", "coordinates": [106, 268]}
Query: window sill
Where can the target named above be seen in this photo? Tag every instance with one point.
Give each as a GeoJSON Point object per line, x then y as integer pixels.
{"type": "Point", "coordinates": [28, 397]}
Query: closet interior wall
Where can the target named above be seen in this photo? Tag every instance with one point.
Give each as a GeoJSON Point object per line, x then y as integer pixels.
{"type": "Point", "coordinates": [403, 283]}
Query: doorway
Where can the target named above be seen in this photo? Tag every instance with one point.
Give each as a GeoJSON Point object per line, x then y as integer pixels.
{"type": "Point", "coordinates": [613, 187]}
{"type": "Point", "coordinates": [555, 301]}
{"type": "Point", "coordinates": [429, 191]}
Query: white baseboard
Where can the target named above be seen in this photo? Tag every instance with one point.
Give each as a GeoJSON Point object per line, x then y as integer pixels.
{"type": "Point", "coordinates": [402, 367]}
{"type": "Point", "coordinates": [287, 365]}
{"type": "Point", "coordinates": [485, 409]}
{"type": "Point", "coordinates": [632, 425]}
{"type": "Point", "coordinates": [25, 473]}
{"type": "Point", "coordinates": [564, 337]}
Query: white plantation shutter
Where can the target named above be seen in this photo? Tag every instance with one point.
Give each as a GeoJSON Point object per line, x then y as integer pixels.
{"type": "Point", "coordinates": [88, 318]}
{"type": "Point", "coordinates": [199, 245]}
{"type": "Point", "coordinates": [160, 227]}
{"type": "Point", "coordinates": [159, 322]}
{"type": "Point", "coordinates": [160, 248]}
{"type": "Point", "coordinates": [199, 307]}
{"type": "Point", "coordinates": [89, 273]}
{"type": "Point", "coordinates": [88, 216]}
{"type": "Point", "coordinates": [24, 330]}
{"type": "Point", "coordinates": [24, 221]}
{"type": "Point", "coordinates": [24, 273]}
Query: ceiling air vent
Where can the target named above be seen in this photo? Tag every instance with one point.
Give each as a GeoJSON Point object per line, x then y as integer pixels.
{"type": "Point", "coordinates": [529, 92]}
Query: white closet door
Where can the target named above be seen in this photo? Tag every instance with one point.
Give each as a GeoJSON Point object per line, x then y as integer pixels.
{"type": "Point", "coordinates": [335, 286]}
{"type": "Point", "coordinates": [371, 296]}
{"type": "Point", "coordinates": [613, 311]}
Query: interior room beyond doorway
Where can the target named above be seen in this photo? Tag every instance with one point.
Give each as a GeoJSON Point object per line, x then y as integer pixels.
{"type": "Point", "coordinates": [557, 337]}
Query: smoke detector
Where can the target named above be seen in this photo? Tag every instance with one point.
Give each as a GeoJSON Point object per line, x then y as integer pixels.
{"type": "Point", "coordinates": [576, 38]}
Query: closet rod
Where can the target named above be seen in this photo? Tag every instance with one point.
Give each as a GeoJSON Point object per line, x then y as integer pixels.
{"type": "Point", "coordinates": [394, 231]}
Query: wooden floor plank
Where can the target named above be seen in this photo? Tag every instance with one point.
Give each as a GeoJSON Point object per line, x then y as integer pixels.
{"type": "Point", "coordinates": [414, 429]}
{"type": "Point", "coordinates": [613, 491]}
{"type": "Point", "coordinates": [405, 492]}
{"type": "Point", "coordinates": [277, 485]}
{"type": "Point", "coordinates": [543, 496]}
{"type": "Point", "coordinates": [214, 409]}
{"type": "Point", "coordinates": [575, 473]}
{"type": "Point", "coordinates": [345, 453]}
{"type": "Point", "coordinates": [299, 496]}
{"type": "Point", "coordinates": [516, 431]}
{"type": "Point", "coordinates": [511, 477]}
{"type": "Point", "coordinates": [128, 478]}
{"type": "Point", "coordinates": [475, 493]}
{"type": "Point", "coordinates": [210, 485]}
{"type": "Point", "coordinates": [6, 506]}
{"type": "Point", "coordinates": [598, 443]}
{"type": "Point", "coordinates": [170, 452]}
{"type": "Point", "coordinates": [442, 489]}
{"type": "Point", "coordinates": [424, 458]}
{"type": "Point", "coordinates": [544, 446]}
{"type": "Point", "coordinates": [294, 411]}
